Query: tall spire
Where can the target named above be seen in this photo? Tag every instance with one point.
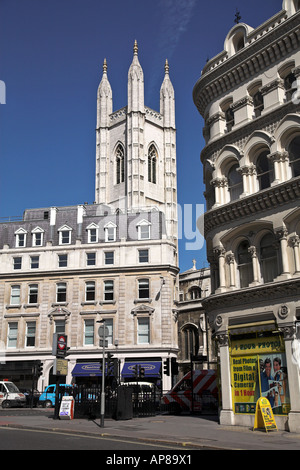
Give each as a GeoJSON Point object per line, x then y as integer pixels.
{"type": "Point", "coordinates": [135, 83]}
{"type": "Point", "coordinates": [104, 108]}
{"type": "Point", "coordinates": [167, 99]}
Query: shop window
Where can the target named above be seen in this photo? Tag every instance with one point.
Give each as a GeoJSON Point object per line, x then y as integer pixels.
{"type": "Point", "coordinates": [269, 258]}
{"type": "Point", "coordinates": [294, 156]}
{"type": "Point", "coordinates": [244, 260]}
{"type": "Point", "coordinates": [262, 355]}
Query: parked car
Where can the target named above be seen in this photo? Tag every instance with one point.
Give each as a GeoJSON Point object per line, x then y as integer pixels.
{"type": "Point", "coordinates": [10, 395]}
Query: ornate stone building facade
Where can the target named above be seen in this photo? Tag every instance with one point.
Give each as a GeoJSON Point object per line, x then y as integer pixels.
{"type": "Point", "coordinates": [248, 96]}
{"type": "Point", "coordinates": [194, 334]}
{"type": "Point", "coordinates": [63, 269]}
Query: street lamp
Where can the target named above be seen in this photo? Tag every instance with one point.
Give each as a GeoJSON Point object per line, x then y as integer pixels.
{"type": "Point", "coordinates": [103, 333]}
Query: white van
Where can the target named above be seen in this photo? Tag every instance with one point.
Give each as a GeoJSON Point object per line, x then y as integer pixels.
{"type": "Point", "coordinates": [10, 395]}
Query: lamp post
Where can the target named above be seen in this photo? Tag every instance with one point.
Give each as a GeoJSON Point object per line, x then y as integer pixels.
{"type": "Point", "coordinates": [103, 332]}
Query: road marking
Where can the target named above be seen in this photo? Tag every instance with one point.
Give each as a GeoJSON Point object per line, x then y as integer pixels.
{"type": "Point", "coordinates": [105, 437]}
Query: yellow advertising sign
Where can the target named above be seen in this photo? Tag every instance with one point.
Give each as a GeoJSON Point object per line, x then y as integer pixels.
{"type": "Point", "coordinates": [264, 417]}
{"type": "Point", "coordinates": [257, 346]}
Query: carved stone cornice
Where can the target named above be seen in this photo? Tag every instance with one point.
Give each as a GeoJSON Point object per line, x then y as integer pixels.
{"type": "Point", "coordinates": [248, 295]}
{"type": "Point", "coordinates": [254, 58]}
{"type": "Point", "coordinates": [254, 204]}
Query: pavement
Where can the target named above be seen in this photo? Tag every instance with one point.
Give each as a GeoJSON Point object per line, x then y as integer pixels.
{"type": "Point", "coordinates": [188, 432]}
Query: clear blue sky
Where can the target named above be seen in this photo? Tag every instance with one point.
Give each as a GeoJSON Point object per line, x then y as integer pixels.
{"type": "Point", "coordinates": [51, 56]}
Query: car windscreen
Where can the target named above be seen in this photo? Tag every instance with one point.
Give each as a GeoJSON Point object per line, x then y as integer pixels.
{"type": "Point", "coordinates": [12, 388]}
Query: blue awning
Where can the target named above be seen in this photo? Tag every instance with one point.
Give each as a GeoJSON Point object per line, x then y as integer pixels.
{"type": "Point", "coordinates": [152, 369]}
{"type": "Point", "coordinates": [87, 369]}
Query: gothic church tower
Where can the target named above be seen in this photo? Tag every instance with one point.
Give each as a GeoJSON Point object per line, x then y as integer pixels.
{"type": "Point", "coordinates": [136, 149]}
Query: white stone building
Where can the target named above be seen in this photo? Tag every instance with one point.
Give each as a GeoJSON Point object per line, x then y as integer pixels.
{"type": "Point", "coordinates": [62, 269]}
{"type": "Point", "coordinates": [249, 98]}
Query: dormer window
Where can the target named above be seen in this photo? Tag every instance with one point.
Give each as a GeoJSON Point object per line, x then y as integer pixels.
{"type": "Point", "coordinates": [65, 235]}
{"type": "Point", "coordinates": [21, 238]}
{"type": "Point", "coordinates": [144, 230]}
{"type": "Point", "coordinates": [110, 230]}
{"type": "Point", "coordinates": [92, 230]}
{"type": "Point", "coordinates": [37, 236]}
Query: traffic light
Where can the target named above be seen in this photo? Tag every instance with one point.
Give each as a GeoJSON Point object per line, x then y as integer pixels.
{"type": "Point", "coordinates": [174, 366]}
{"type": "Point", "coordinates": [112, 365]}
{"type": "Point", "coordinates": [167, 367]}
{"type": "Point", "coordinates": [38, 369]}
{"type": "Point", "coordinates": [135, 371]}
{"type": "Point", "coordinates": [141, 372]}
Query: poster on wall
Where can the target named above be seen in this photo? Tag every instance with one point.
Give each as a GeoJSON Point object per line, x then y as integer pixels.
{"type": "Point", "coordinates": [258, 369]}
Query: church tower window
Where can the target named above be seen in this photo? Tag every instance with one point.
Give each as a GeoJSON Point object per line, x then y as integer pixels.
{"type": "Point", "coordinates": [120, 164]}
{"type": "Point", "coordinates": [152, 163]}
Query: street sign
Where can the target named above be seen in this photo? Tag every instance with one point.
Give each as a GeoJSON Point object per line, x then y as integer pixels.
{"type": "Point", "coordinates": [103, 331]}
{"type": "Point", "coordinates": [60, 367]}
{"type": "Point", "coordinates": [59, 346]}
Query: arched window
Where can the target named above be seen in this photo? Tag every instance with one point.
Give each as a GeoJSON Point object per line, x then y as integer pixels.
{"type": "Point", "coordinates": [120, 164]}
{"type": "Point", "coordinates": [244, 264]}
{"type": "Point", "coordinates": [294, 156]}
{"type": "Point", "coordinates": [152, 161]}
{"type": "Point", "coordinates": [235, 182]}
{"type": "Point", "coordinates": [268, 258]}
{"type": "Point", "coordinates": [258, 103]}
{"type": "Point", "coordinates": [190, 341]}
{"type": "Point", "coordinates": [195, 293]}
{"type": "Point", "coordinates": [264, 170]}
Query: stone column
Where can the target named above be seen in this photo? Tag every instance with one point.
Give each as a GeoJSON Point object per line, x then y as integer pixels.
{"type": "Point", "coordinates": [281, 235]}
{"type": "Point", "coordinates": [230, 260]}
{"type": "Point", "coordinates": [294, 241]}
{"type": "Point", "coordinates": [255, 265]}
{"type": "Point", "coordinates": [292, 347]}
{"type": "Point", "coordinates": [220, 253]}
{"type": "Point", "coordinates": [226, 415]}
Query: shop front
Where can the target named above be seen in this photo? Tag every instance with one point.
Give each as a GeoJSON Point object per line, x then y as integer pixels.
{"type": "Point", "coordinates": [258, 368]}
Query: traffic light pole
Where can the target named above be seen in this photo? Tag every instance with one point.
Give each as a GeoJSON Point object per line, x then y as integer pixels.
{"type": "Point", "coordinates": [102, 406]}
